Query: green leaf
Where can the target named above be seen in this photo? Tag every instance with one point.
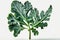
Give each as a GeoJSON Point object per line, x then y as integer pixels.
{"type": "Point", "coordinates": [28, 16]}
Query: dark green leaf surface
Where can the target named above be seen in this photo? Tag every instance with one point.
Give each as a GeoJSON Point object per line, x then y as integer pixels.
{"type": "Point", "coordinates": [35, 31]}
{"type": "Point", "coordinates": [44, 16]}
{"type": "Point", "coordinates": [14, 25]}
{"type": "Point", "coordinates": [41, 25]}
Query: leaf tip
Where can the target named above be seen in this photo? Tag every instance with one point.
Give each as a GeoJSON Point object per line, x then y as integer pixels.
{"type": "Point", "coordinates": [50, 6]}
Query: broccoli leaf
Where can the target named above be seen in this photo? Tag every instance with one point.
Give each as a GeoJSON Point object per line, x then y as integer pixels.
{"type": "Point", "coordinates": [25, 14]}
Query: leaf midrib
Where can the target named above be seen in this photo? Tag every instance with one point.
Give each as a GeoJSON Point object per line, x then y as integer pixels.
{"type": "Point", "coordinates": [39, 21]}
{"type": "Point", "coordinates": [21, 14]}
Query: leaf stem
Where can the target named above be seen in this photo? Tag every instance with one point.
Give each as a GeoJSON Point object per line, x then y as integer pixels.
{"type": "Point", "coordinates": [29, 34]}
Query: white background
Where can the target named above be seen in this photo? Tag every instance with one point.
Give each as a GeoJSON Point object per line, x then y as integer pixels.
{"type": "Point", "coordinates": [52, 31]}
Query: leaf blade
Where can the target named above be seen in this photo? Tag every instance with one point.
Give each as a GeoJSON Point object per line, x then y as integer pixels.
{"type": "Point", "coordinates": [48, 11]}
